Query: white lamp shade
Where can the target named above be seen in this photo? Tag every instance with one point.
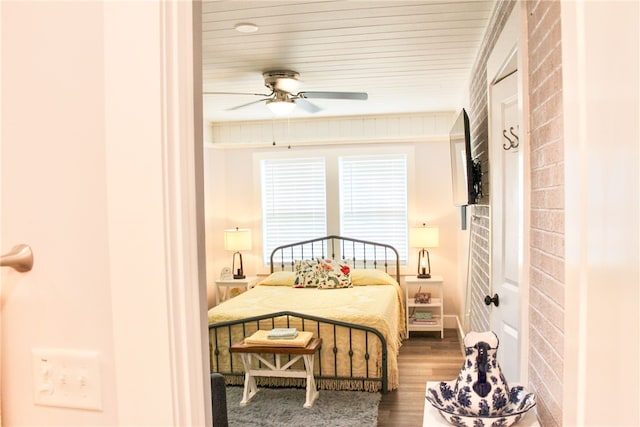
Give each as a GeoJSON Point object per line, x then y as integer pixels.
{"type": "Point", "coordinates": [237, 239]}
{"type": "Point", "coordinates": [425, 237]}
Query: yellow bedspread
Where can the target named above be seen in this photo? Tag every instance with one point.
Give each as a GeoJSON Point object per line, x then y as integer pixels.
{"type": "Point", "coordinates": [380, 307]}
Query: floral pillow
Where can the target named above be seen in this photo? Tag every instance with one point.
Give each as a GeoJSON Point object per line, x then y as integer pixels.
{"type": "Point", "coordinates": [308, 273]}
{"type": "Point", "coordinates": [336, 275]}
{"type": "Point", "coordinates": [322, 274]}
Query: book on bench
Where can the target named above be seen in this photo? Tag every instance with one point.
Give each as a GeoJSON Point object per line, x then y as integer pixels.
{"type": "Point", "coordinates": [282, 333]}
{"type": "Point", "coordinates": [261, 339]}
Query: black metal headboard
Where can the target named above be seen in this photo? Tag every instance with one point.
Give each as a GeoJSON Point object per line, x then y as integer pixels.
{"type": "Point", "coordinates": [355, 252]}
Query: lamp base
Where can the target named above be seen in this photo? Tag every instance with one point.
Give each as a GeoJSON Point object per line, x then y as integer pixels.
{"type": "Point", "coordinates": [424, 265]}
{"type": "Point", "coordinates": [238, 273]}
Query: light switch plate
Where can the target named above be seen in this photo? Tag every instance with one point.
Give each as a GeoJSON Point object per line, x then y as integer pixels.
{"type": "Point", "coordinates": [67, 378]}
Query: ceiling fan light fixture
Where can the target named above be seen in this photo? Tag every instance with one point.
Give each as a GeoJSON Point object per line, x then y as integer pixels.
{"type": "Point", "coordinates": [281, 107]}
{"type": "Point", "coordinates": [246, 27]}
{"type": "Point", "coordinates": [287, 84]}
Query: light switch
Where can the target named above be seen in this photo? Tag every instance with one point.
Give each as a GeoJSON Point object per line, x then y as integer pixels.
{"type": "Point", "coordinates": [67, 378]}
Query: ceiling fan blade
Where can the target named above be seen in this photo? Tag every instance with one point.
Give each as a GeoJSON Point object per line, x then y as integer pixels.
{"type": "Point", "coordinates": [363, 96]}
{"type": "Point", "coordinates": [246, 105]}
{"type": "Point", "coordinates": [307, 106]}
{"type": "Point", "coordinates": [234, 93]}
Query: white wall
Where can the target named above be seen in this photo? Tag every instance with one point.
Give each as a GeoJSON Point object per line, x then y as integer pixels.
{"type": "Point", "coordinates": [434, 202]}
{"type": "Point", "coordinates": [601, 109]}
{"type": "Point", "coordinates": [235, 190]}
{"type": "Point", "coordinates": [215, 189]}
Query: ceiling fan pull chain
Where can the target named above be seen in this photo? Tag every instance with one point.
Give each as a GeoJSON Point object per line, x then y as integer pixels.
{"type": "Point", "coordinates": [273, 135]}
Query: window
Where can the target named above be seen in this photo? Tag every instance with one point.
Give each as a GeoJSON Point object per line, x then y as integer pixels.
{"type": "Point", "coordinates": [364, 196]}
{"type": "Point", "coordinates": [373, 199]}
{"type": "Point", "coordinates": [293, 201]}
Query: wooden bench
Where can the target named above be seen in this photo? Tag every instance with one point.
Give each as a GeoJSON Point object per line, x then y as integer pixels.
{"type": "Point", "coordinates": [278, 370]}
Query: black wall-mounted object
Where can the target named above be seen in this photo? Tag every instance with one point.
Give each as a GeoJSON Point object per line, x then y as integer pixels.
{"type": "Point", "coordinates": [475, 191]}
{"type": "Point", "coordinates": [466, 172]}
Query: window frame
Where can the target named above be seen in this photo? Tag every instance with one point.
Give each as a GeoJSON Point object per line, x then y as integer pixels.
{"type": "Point", "coordinates": [332, 185]}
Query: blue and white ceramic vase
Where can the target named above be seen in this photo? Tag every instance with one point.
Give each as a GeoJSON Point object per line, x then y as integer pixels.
{"type": "Point", "coordinates": [481, 389]}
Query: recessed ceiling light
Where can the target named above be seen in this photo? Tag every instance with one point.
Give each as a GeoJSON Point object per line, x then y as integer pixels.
{"type": "Point", "coordinates": [246, 27]}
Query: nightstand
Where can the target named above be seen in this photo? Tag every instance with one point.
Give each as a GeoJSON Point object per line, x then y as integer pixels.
{"type": "Point", "coordinates": [222, 286]}
{"type": "Point", "coordinates": [417, 317]}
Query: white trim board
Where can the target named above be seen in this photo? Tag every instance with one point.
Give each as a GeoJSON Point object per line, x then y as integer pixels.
{"type": "Point", "coordinates": [323, 130]}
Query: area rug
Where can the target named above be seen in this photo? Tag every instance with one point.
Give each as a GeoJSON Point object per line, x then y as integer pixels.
{"type": "Point", "coordinates": [277, 407]}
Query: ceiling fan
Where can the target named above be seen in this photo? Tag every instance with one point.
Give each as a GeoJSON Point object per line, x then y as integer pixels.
{"type": "Point", "coordinates": [283, 97]}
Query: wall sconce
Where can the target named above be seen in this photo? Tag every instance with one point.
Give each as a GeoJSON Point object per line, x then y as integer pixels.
{"type": "Point", "coordinates": [425, 237]}
{"type": "Point", "coordinates": [237, 239]}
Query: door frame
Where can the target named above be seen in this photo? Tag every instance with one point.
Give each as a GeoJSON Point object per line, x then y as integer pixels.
{"type": "Point", "coordinates": [172, 137]}
{"type": "Point", "coordinates": [509, 48]}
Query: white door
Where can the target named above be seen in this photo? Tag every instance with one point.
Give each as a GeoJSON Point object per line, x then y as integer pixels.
{"type": "Point", "coordinates": [506, 213]}
{"type": "Point", "coordinates": [96, 175]}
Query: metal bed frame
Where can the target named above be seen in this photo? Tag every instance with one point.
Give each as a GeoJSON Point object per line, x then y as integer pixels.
{"type": "Point", "coordinates": [358, 253]}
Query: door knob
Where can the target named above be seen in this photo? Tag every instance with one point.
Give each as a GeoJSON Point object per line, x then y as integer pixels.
{"type": "Point", "coordinates": [20, 258]}
{"type": "Point", "coordinates": [495, 300]}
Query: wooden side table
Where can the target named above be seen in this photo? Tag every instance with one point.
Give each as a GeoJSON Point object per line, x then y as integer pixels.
{"type": "Point", "coordinates": [278, 370]}
{"type": "Point", "coordinates": [222, 286]}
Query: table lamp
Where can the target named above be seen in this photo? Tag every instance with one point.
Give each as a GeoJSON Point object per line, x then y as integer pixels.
{"type": "Point", "coordinates": [236, 240]}
{"type": "Point", "coordinates": [425, 237]}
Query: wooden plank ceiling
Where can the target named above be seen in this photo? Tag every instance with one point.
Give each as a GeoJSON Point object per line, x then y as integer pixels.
{"type": "Point", "coordinates": [409, 56]}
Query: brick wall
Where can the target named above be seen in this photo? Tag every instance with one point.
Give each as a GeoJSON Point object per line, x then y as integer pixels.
{"type": "Point", "coordinates": [546, 310]}
{"type": "Point", "coordinates": [479, 279]}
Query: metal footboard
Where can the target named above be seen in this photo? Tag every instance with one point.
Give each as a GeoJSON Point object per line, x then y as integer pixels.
{"type": "Point", "coordinates": [341, 341]}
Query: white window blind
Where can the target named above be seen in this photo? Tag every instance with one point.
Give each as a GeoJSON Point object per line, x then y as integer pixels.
{"type": "Point", "coordinates": [294, 204]}
{"type": "Point", "coordinates": [373, 200]}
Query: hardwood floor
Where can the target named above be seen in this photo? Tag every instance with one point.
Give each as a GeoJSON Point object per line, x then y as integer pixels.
{"type": "Point", "coordinates": [424, 357]}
